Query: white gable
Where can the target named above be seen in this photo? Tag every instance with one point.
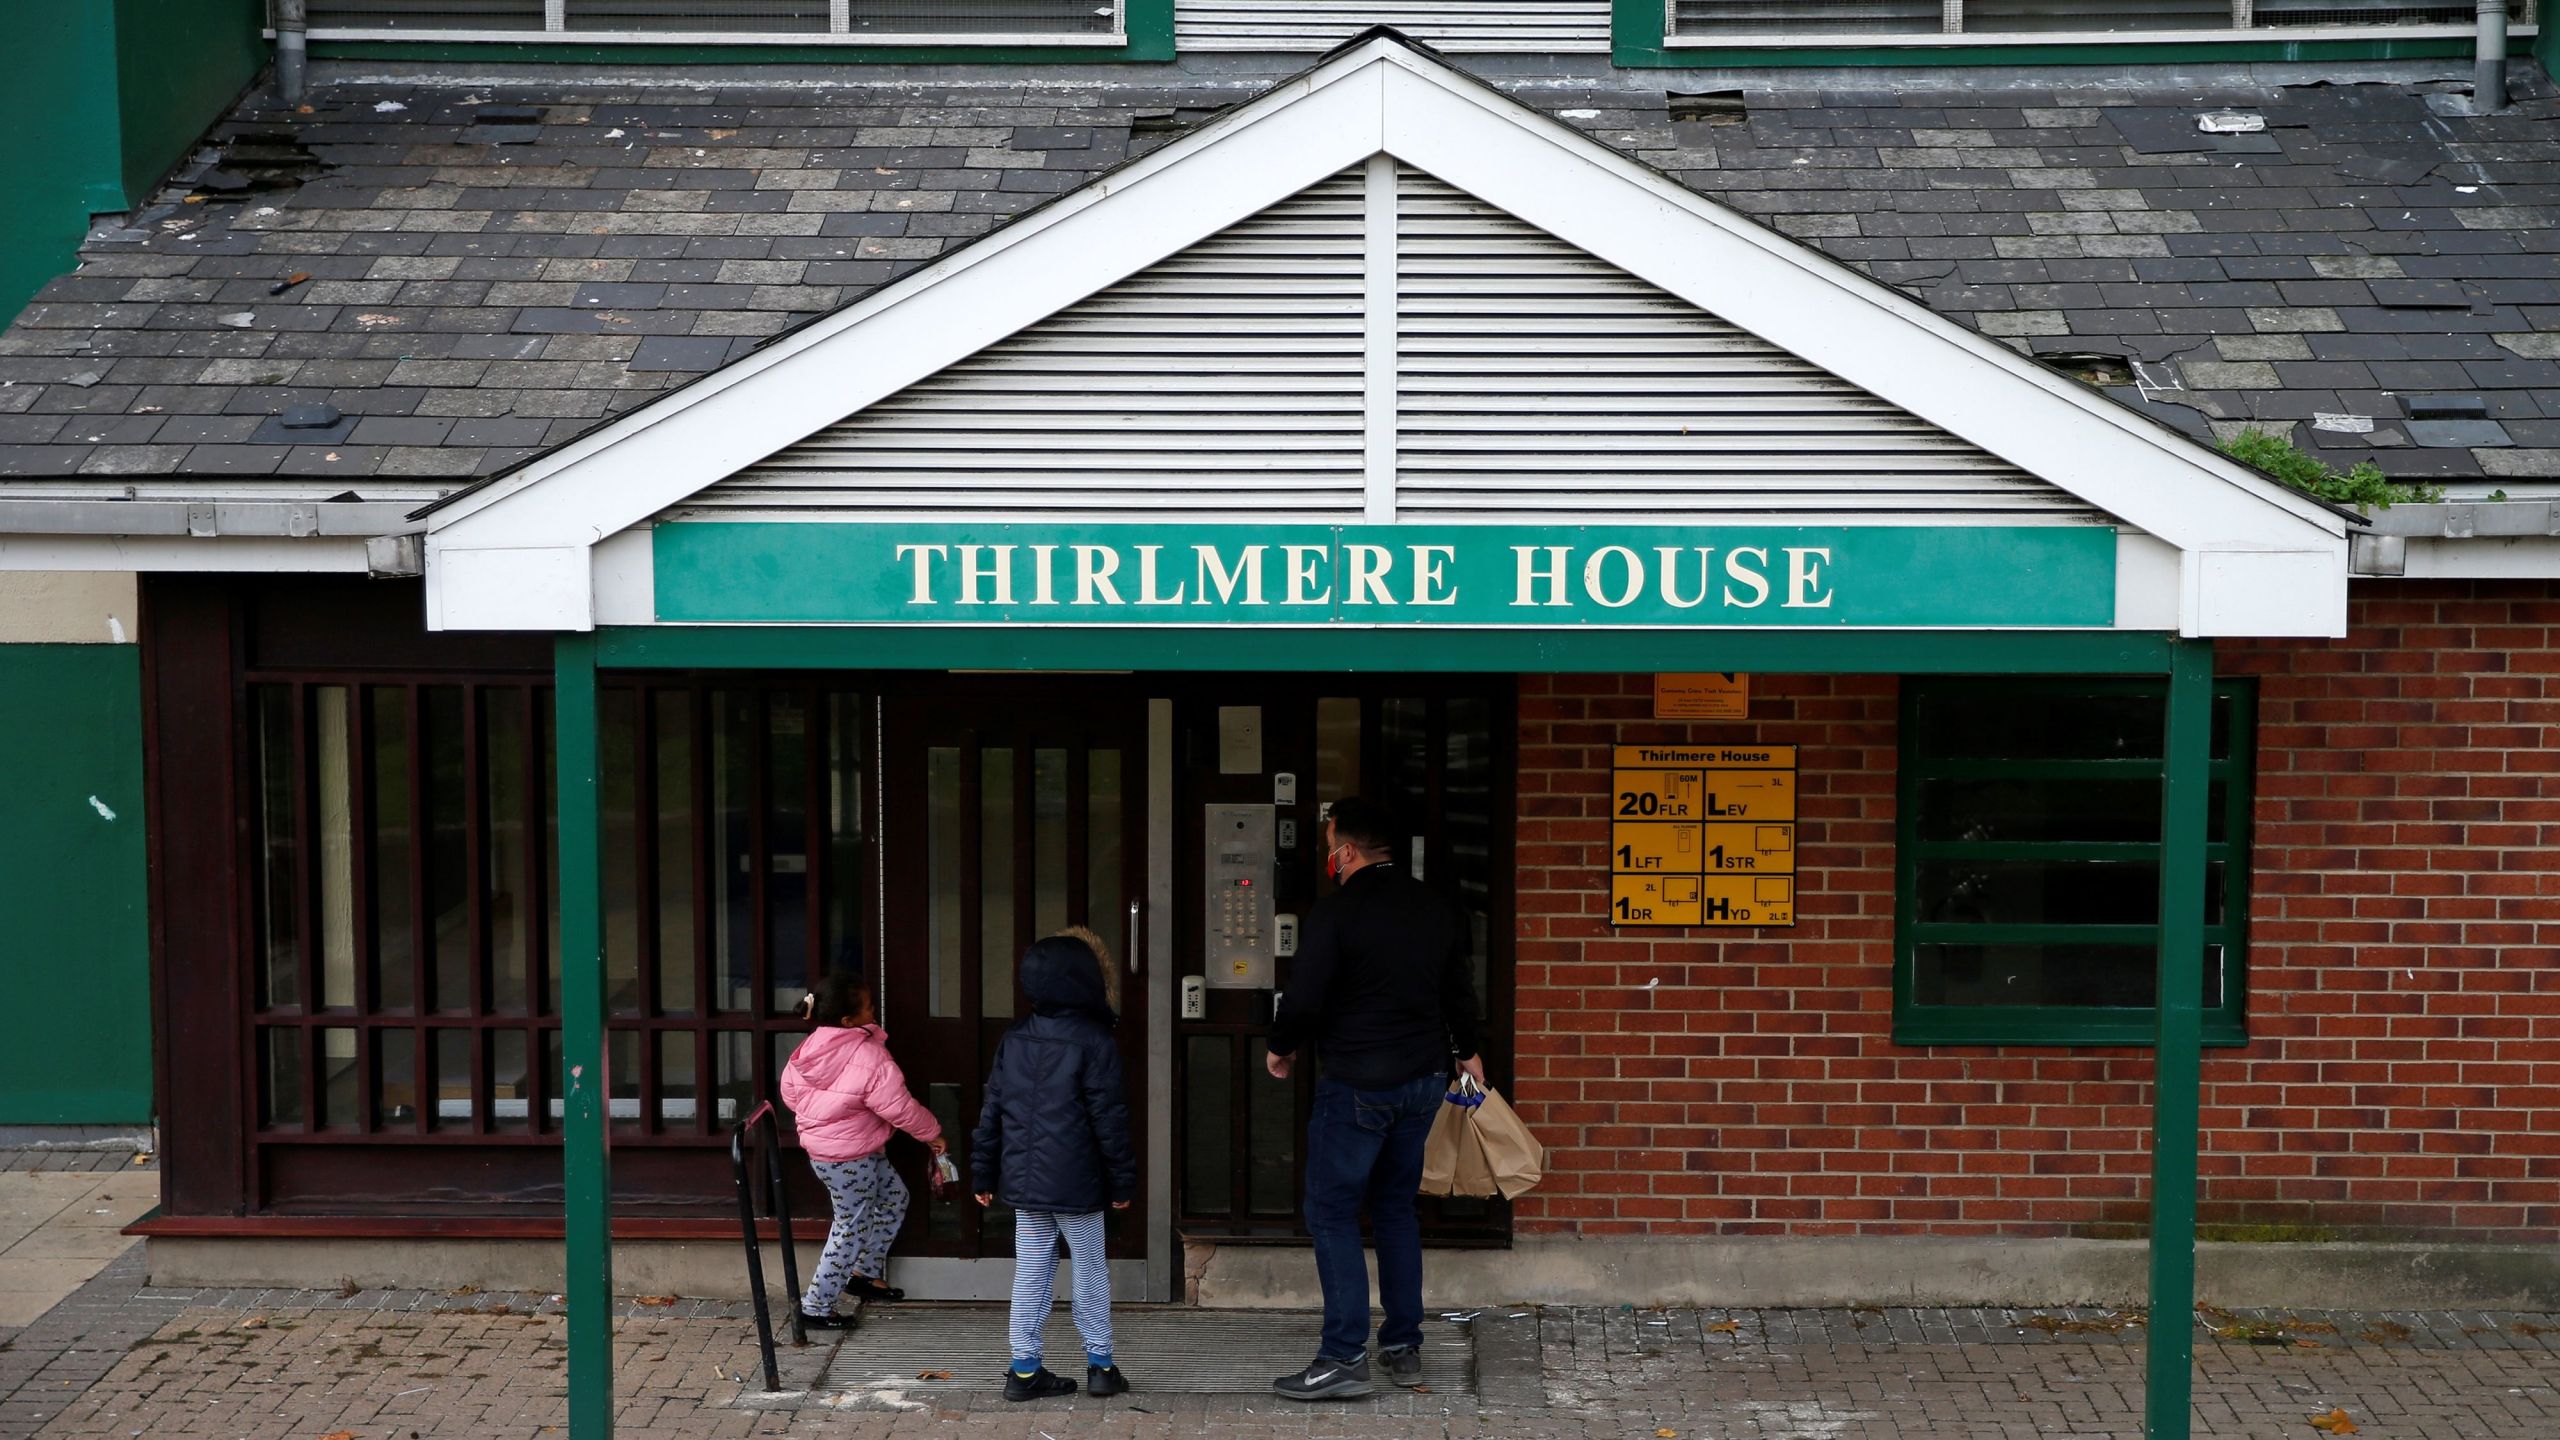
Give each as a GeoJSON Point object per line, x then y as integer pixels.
{"type": "Point", "coordinates": [1532, 323]}
{"type": "Point", "coordinates": [1529, 380]}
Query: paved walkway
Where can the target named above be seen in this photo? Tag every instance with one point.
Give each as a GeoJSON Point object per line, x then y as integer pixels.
{"type": "Point", "coordinates": [121, 1360]}
{"type": "Point", "coordinates": [60, 1211]}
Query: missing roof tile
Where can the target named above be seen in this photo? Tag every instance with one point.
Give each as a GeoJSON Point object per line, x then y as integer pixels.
{"type": "Point", "coordinates": [1712, 107]}
{"type": "Point", "coordinates": [1168, 121]}
{"type": "Point", "coordinates": [2090, 368]}
{"type": "Point", "coordinates": [258, 161]}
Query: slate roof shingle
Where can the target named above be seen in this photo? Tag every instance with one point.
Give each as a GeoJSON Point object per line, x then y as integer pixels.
{"type": "Point", "coordinates": [480, 292]}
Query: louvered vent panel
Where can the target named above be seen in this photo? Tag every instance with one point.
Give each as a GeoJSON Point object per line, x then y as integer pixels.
{"type": "Point", "coordinates": [1453, 25]}
{"type": "Point", "coordinates": [2093, 17]}
{"type": "Point", "coordinates": [1535, 379]}
{"type": "Point", "coordinates": [1226, 379]}
{"type": "Point", "coordinates": [1797, 17]}
{"type": "Point", "coordinates": [717, 19]}
{"type": "Point", "coordinates": [2291, 14]}
{"type": "Point", "coordinates": [325, 15]}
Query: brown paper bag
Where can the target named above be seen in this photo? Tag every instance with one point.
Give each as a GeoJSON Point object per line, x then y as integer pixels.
{"type": "Point", "coordinates": [1449, 1134]}
{"type": "Point", "coordinates": [1475, 1175]}
{"type": "Point", "coordinates": [1514, 1157]}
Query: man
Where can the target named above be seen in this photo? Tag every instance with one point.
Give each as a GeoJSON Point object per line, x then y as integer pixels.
{"type": "Point", "coordinates": [1382, 985]}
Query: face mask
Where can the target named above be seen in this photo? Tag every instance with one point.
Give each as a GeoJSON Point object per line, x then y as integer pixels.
{"type": "Point", "coordinates": [1333, 862]}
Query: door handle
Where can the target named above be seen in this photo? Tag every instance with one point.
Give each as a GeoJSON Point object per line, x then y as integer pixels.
{"type": "Point", "coordinates": [1133, 937]}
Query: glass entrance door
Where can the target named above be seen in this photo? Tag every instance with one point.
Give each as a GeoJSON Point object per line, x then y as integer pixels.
{"type": "Point", "coordinates": [1437, 752]}
{"type": "Point", "coordinates": [1013, 811]}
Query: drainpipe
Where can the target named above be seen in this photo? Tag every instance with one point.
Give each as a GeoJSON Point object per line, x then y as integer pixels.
{"type": "Point", "coordinates": [2489, 63]}
{"type": "Point", "coordinates": [291, 58]}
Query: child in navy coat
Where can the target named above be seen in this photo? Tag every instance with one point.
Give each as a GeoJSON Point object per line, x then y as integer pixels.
{"type": "Point", "coordinates": [1053, 1143]}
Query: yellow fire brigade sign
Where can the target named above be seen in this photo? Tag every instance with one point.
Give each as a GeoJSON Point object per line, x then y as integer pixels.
{"type": "Point", "coordinates": [1703, 835]}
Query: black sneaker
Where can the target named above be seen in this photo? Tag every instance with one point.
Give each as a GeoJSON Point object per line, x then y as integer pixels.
{"type": "Point", "coordinates": [1326, 1380]}
{"type": "Point", "coordinates": [829, 1321]}
{"type": "Point", "coordinates": [1038, 1385]}
{"type": "Point", "coordinates": [1403, 1364]}
{"type": "Point", "coordinates": [1105, 1380]}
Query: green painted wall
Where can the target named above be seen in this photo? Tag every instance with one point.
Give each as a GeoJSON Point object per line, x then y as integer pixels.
{"type": "Point", "coordinates": [103, 96]}
{"type": "Point", "coordinates": [179, 64]}
{"type": "Point", "coordinates": [75, 951]}
{"type": "Point", "coordinates": [59, 107]}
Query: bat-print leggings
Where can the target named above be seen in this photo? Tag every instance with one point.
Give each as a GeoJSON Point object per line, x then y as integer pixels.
{"type": "Point", "coordinates": [871, 1203]}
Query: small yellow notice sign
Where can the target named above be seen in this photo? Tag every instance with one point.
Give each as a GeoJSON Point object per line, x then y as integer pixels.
{"type": "Point", "coordinates": [1703, 835]}
{"type": "Point", "coordinates": [1713, 695]}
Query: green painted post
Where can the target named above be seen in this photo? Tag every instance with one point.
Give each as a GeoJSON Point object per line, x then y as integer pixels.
{"type": "Point", "coordinates": [2177, 1052]}
{"type": "Point", "coordinates": [587, 1181]}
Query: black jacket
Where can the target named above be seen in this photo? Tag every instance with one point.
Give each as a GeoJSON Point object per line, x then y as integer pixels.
{"type": "Point", "coordinates": [1053, 1133]}
{"type": "Point", "coordinates": [1381, 982]}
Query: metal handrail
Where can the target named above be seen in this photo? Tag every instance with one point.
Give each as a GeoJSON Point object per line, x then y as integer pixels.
{"type": "Point", "coordinates": [767, 1120]}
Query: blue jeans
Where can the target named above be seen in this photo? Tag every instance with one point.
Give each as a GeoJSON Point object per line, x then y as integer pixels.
{"type": "Point", "coordinates": [1365, 1146]}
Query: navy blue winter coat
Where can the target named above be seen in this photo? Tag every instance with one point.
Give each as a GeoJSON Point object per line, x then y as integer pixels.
{"type": "Point", "coordinates": [1053, 1133]}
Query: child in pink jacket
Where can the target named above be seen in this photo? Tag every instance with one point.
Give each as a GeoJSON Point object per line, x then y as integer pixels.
{"type": "Point", "coordinates": [848, 1095]}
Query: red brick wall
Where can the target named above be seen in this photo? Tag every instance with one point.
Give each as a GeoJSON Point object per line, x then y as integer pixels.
{"type": "Point", "coordinates": [2403, 1076]}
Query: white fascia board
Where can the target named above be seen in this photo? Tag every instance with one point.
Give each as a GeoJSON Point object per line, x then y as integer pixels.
{"type": "Point", "coordinates": [1560, 181]}
{"type": "Point", "coordinates": [2150, 588]}
{"type": "Point", "coordinates": [626, 577]}
{"type": "Point", "coordinates": [2265, 593]}
{"type": "Point", "coordinates": [521, 588]}
{"type": "Point", "coordinates": [1307, 130]}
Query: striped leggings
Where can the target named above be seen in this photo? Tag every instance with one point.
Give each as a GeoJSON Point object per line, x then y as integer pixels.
{"type": "Point", "coordinates": [1035, 1275]}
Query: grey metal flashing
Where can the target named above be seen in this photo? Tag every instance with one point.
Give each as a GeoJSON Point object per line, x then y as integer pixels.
{"type": "Point", "coordinates": [2469, 519]}
{"type": "Point", "coordinates": [203, 519]}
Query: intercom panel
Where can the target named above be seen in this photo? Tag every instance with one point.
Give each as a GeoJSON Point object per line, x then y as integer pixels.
{"type": "Point", "coordinates": [1236, 873]}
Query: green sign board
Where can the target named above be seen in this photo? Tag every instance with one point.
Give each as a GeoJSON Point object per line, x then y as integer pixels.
{"type": "Point", "coordinates": [1672, 577]}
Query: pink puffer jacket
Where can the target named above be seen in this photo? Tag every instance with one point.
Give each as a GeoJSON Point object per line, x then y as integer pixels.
{"type": "Point", "coordinates": [847, 1094]}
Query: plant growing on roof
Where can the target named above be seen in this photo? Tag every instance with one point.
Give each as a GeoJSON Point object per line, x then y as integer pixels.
{"type": "Point", "coordinates": [2365, 486]}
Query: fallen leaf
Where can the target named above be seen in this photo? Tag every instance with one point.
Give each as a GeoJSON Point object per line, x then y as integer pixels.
{"type": "Point", "coordinates": [654, 1300]}
{"type": "Point", "coordinates": [2334, 1423]}
{"type": "Point", "coordinates": [933, 1374]}
{"type": "Point", "coordinates": [339, 1435]}
{"type": "Point", "coordinates": [2307, 1344]}
{"type": "Point", "coordinates": [254, 1322]}
{"type": "Point", "coordinates": [1724, 1327]}
{"type": "Point", "coordinates": [1419, 1389]}
{"type": "Point", "coordinates": [1666, 1435]}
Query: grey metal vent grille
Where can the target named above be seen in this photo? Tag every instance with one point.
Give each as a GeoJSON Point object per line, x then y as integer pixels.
{"type": "Point", "coordinates": [1304, 26]}
{"type": "Point", "coordinates": [1534, 379]}
{"type": "Point", "coordinates": [509, 15]}
{"type": "Point", "coordinates": [1780, 19]}
{"type": "Point", "coordinates": [1224, 379]}
{"type": "Point", "coordinates": [715, 20]}
{"type": "Point", "coordinates": [2027, 17]}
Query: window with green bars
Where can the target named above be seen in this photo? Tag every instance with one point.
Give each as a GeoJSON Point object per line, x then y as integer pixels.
{"type": "Point", "coordinates": [2027, 868]}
